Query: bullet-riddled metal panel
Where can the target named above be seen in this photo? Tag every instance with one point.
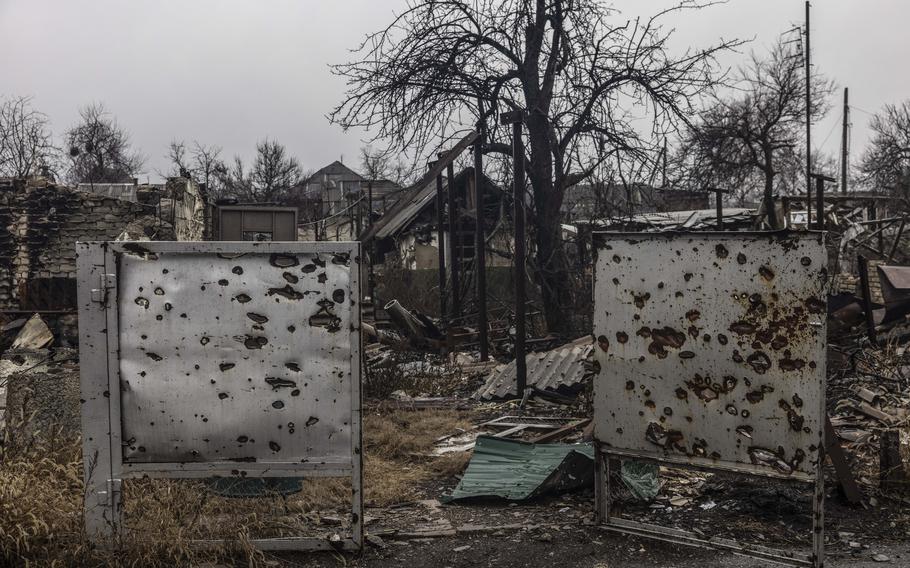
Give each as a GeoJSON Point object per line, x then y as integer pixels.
{"type": "Point", "coordinates": [236, 357]}
{"type": "Point", "coordinates": [712, 349]}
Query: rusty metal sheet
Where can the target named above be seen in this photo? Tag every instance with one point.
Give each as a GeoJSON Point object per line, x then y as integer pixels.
{"type": "Point", "coordinates": [711, 349]}
{"type": "Point", "coordinates": [236, 357]}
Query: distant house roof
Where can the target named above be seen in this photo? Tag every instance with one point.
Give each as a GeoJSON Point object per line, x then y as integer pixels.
{"type": "Point", "coordinates": [336, 170]}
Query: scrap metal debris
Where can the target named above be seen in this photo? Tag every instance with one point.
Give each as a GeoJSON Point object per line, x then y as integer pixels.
{"type": "Point", "coordinates": [516, 470]}
{"type": "Point", "coordinates": [562, 371]}
{"type": "Point", "coordinates": [34, 335]}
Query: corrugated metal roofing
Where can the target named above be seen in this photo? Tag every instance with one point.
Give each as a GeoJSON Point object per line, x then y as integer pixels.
{"type": "Point", "coordinates": [560, 370]}
{"type": "Point", "coordinates": [414, 204]}
{"type": "Point", "coordinates": [518, 470]}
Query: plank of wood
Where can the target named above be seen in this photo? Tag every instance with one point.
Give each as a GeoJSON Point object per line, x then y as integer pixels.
{"type": "Point", "coordinates": [845, 477]}
{"type": "Point", "coordinates": [513, 430]}
{"type": "Point", "coordinates": [560, 433]}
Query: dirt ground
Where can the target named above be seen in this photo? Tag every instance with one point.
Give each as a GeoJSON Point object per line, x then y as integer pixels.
{"type": "Point", "coordinates": [551, 535]}
{"type": "Point", "coordinates": [560, 530]}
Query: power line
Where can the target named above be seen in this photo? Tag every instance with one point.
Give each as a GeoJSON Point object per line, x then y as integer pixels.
{"type": "Point", "coordinates": [836, 123]}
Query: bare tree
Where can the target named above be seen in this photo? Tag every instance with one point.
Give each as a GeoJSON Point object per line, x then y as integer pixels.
{"type": "Point", "coordinates": [748, 140]}
{"type": "Point", "coordinates": [373, 164]}
{"type": "Point", "coordinates": [573, 65]}
{"type": "Point", "coordinates": [271, 175]}
{"type": "Point", "coordinates": [26, 142]}
{"type": "Point", "coordinates": [235, 180]}
{"type": "Point", "coordinates": [206, 165]}
{"type": "Point", "coordinates": [100, 150]}
{"type": "Point", "coordinates": [176, 155]}
{"type": "Point", "coordinates": [201, 163]}
{"type": "Point", "coordinates": [886, 162]}
{"type": "Point", "coordinates": [274, 171]}
{"type": "Point", "coordinates": [378, 164]}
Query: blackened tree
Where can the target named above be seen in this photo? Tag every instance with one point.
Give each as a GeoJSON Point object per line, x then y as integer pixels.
{"type": "Point", "coordinates": [580, 72]}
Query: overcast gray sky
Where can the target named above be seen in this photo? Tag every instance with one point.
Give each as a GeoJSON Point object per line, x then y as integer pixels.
{"type": "Point", "coordinates": [231, 72]}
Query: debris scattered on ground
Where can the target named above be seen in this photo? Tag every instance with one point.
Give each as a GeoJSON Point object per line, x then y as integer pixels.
{"type": "Point", "coordinates": [560, 371]}
{"type": "Point", "coordinates": [34, 335]}
{"type": "Point", "coordinates": [516, 470]}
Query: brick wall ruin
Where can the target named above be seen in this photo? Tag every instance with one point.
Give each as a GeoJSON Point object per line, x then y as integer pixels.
{"type": "Point", "coordinates": [40, 223]}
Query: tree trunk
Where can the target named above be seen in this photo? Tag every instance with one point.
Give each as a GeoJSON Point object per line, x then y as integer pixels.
{"type": "Point", "coordinates": [552, 275]}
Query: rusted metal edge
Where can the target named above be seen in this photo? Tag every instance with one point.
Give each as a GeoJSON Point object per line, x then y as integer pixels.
{"type": "Point", "coordinates": [719, 234]}
{"type": "Point", "coordinates": [676, 536]}
{"type": "Point", "coordinates": [708, 465]}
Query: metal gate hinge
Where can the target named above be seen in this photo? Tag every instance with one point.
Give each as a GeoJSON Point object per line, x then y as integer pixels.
{"type": "Point", "coordinates": [105, 282]}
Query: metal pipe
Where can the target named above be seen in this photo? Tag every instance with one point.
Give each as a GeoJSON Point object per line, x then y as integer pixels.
{"type": "Point", "coordinates": [845, 143]}
{"type": "Point", "coordinates": [808, 108]}
{"type": "Point", "coordinates": [371, 249]}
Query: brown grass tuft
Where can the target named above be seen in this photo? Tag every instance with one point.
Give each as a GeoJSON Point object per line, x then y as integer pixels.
{"type": "Point", "coordinates": [41, 493]}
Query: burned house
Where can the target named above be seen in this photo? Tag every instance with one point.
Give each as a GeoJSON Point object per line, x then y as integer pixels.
{"type": "Point", "coordinates": [180, 202]}
{"type": "Point", "coordinates": [408, 233]}
{"type": "Point", "coordinates": [40, 223]}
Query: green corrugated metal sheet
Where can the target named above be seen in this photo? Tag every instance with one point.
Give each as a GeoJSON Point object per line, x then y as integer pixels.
{"type": "Point", "coordinates": [520, 470]}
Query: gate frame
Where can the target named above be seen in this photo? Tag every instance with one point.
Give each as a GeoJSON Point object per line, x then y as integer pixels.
{"type": "Point", "coordinates": [603, 455]}
{"type": "Point", "coordinates": [99, 338]}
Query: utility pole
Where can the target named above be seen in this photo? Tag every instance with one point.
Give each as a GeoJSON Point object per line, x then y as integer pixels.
{"type": "Point", "coordinates": [480, 242]}
{"type": "Point", "coordinates": [845, 143]}
{"type": "Point", "coordinates": [516, 119]}
{"type": "Point", "coordinates": [441, 244]}
{"type": "Point", "coordinates": [371, 248]}
{"type": "Point", "coordinates": [454, 253]}
{"type": "Point", "coordinates": [808, 110]}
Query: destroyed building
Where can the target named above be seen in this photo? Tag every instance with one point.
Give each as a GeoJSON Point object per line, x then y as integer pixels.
{"type": "Point", "coordinates": [409, 232]}
{"type": "Point", "coordinates": [40, 223]}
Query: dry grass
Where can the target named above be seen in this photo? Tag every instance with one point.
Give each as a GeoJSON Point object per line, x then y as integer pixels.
{"type": "Point", "coordinates": [41, 500]}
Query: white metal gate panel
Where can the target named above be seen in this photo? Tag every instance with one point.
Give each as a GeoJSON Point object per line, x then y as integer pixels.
{"type": "Point", "coordinates": [230, 359]}
{"type": "Point", "coordinates": [235, 357]}
{"type": "Point", "coordinates": [712, 349]}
